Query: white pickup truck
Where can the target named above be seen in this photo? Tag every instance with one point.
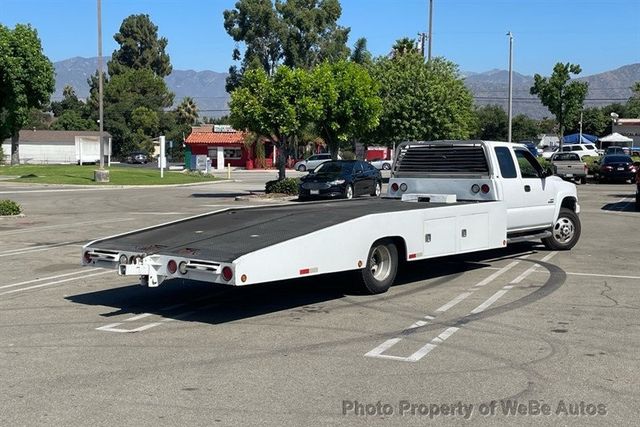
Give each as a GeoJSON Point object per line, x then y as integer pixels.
{"type": "Point", "coordinates": [444, 198]}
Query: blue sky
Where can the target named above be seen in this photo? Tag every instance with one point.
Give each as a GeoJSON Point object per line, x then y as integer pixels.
{"type": "Point", "coordinates": [597, 34]}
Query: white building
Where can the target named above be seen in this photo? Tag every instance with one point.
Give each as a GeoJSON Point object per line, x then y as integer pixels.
{"type": "Point", "coordinates": [58, 146]}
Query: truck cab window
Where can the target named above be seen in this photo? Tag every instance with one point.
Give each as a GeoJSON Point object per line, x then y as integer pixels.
{"type": "Point", "coordinates": [505, 161]}
{"type": "Point", "coordinates": [529, 166]}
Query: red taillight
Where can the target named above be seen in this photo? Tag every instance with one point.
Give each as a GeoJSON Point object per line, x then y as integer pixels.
{"type": "Point", "coordinates": [87, 257]}
{"type": "Point", "coordinates": [394, 187]}
{"type": "Point", "coordinates": [227, 273]}
{"type": "Point", "coordinates": [172, 266]}
{"type": "Point", "coordinates": [485, 188]}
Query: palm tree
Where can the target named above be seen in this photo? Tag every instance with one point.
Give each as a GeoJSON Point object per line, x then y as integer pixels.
{"type": "Point", "coordinates": [403, 46]}
{"type": "Point", "coordinates": [188, 111]}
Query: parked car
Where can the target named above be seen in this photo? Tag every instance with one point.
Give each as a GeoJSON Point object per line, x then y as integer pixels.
{"type": "Point", "coordinates": [341, 178]}
{"type": "Point", "coordinates": [381, 164]}
{"type": "Point", "coordinates": [616, 167]}
{"type": "Point", "coordinates": [581, 149]}
{"type": "Point", "coordinates": [312, 162]}
{"type": "Point", "coordinates": [569, 166]}
{"type": "Point", "coordinates": [137, 157]}
{"type": "Point", "coordinates": [548, 152]}
{"type": "Point", "coordinates": [617, 150]}
{"type": "Point", "coordinates": [531, 146]}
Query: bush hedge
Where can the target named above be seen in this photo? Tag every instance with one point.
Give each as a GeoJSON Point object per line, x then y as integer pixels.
{"type": "Point", "coordinates": [287, 186]}
{"type": "Point", "coordinates": [9, 207]}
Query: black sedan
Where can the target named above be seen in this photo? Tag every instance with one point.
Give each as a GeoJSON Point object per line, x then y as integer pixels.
{"type": "Point", "coordinates": [616, 167]}
{"type": "Point", "coordinates": [341, 178]}
{"type": "Point", "coordinates": [137, 157]}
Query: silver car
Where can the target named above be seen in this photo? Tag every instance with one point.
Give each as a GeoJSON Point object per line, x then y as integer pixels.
{"type": "Point", "coordinates": [381, 164]}
{"type": "Point", "coordinates": [312, 162]}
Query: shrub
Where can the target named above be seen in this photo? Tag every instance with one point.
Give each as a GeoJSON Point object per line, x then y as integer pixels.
{"type": "Point", "coordinates": [592, 164]}
{"type": "Point", "coordinates": [286, 186]}
{"type": "Point", "coordinates": [546, 165]}
{"type": "Point", "coordinates": [9, 207]}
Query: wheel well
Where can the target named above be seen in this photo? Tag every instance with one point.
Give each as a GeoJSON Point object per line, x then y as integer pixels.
{"type": "Point", "coordinates": [569, 203]}
{"type": "Point", "coordinates": [400, 245]}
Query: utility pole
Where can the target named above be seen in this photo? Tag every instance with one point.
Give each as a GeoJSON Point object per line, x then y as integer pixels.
{"type": "Point", "coordinates": [510, 103]}
{"type": "Point", "coordinates": [421, 42]}
{"type": "Point", "coordinates": [100, 175]}
{"type": "Point", "coordinates": [430, 28]}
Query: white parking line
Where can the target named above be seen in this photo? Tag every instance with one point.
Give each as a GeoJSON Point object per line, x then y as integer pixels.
{"type": "Point", "coordinates": [32, 249]}
{"type": "Point", "coordinates": [51, 277]}
{"type": "Point", "coordinates": [75, 224]}
{"type": "Point", "coordinates": [55, 283]}
{"type": "Point", "coordinates": [378, 352]}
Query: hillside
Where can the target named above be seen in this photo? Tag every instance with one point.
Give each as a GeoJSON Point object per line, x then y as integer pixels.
{"type": "Point", "coordinates": [490, 87]}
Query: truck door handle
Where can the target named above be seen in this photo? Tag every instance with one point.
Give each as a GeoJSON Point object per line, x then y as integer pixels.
{"type": "Point", "coordinates": [527, 188]}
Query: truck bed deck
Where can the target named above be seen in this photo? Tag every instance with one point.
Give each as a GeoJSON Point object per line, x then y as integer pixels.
{"type": "Point", "coordinates": [226, 235]}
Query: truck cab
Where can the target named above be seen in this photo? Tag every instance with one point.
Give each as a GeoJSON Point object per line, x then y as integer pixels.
{"type": "Point", "coordinates": [489, 171]}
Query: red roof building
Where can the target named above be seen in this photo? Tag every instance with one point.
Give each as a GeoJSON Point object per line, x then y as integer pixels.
{"type": "Point", "coordinates": [222, 144]}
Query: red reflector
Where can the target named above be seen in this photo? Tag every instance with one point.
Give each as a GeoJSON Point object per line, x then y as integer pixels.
{"type": "Point", "coordinates": [411, 256]}
{"type": "Point", "coordinates": [304, 271]}
{"type": "Point", "coordinates": [485, 188]}
{"type": "Point", "coordinates": [227, 273]}
{"type": "Point", "coordinates": [394, 186]}
{"type": "Point", "coordinates": [87, 257]}
{"type": "Point", "coordinates": [172, 266]}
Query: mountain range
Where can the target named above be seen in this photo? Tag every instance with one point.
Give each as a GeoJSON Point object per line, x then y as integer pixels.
{"type": "Point", "coordinates": [490, 87]}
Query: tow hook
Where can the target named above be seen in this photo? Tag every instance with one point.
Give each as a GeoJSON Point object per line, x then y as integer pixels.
{"type": "Point", "coordinates": [147, 270]}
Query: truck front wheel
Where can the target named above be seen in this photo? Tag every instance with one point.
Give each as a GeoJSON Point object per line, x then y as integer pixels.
{"type": "Point", "coordinates": [381, 268]}
{"type": "Point", "coordinates": [565, 233]}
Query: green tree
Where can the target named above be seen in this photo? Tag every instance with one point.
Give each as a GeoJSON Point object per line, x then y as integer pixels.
{"type": "Point", "coordinates": [594, 122]}
{"type": "Point", "coordinates": [351, 106]}
{"type": "Point", "coordinates": [421, 101]}
{"type": "Point", "coordinates": [70, 102]}
{"type": "Point", "coordinates": [26, 81]}
{"type": "Point", "coordinates": [548, 125]}
{"type": "Point", "coordinates": [564, 98]}
{"type": "Point", "coordinates": [140, 48]}
{"type": "Point", "coordinates": [256, 24]}
{"type": "Point", "coordinates": [633, 105]}
{"type": "Point", "coordinates": [276, 107]}
{"type": "Point", "coordinates": [524, 128]}
{"type": "Point", "coordinates": [128, 92]}
{"type": "Point", "coordinates": [298, 33]}
{"type": "Point", "coordinates": [310, 32]}
{"type": "Point", "coordinates": [38, 119]}
{"type": "Point", "coordinates": [360, 54]}
{"type": "Point", "coordinates": [72, 120]}
{"type": "Point", "coordinates": [491, 123]}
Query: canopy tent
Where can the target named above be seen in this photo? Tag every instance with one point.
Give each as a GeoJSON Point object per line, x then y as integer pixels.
{"type": "Point", "coordinates": [616, 137]}
{"type": "Point", "coordinates": [574, 138]}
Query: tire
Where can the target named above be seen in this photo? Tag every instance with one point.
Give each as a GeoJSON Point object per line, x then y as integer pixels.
{"type": "Point", "coordinates": [386, 166]}
{"type": "Point", "coordinates": [381, 269]}
{"type": "Point", "coordinates": [377, 189]}
{"type": "Point", "coordinates": [565, 233]}
{"type": "Point", "coordinates": [302, 168]}
{"type": "Point", "coordinates": [348, 192]}
{"type": "Point", "coordinates": [583, 180]}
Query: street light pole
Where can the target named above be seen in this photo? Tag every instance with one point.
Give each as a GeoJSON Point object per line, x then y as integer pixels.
{"type": "Point", "coordinates": [100, 175]}
{"type": "Point", "coordinates": [430, 28]}
{"type": "Point", "coordinates": [510, 103]}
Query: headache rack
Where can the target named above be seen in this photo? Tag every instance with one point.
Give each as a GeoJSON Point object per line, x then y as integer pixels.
{"type": "Point", "coordinates": [440, 159]}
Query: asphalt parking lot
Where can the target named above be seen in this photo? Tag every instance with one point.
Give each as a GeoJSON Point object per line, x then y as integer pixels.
{"type": "Point", "coordinates": [83, 346]}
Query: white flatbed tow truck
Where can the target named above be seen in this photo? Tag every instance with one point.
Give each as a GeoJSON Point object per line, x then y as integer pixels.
{"type": "Point", "coordinates": [444, 198]}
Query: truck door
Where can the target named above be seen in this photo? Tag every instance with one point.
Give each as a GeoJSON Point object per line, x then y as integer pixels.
{"type": "Point", "coordinates": [538, 192]}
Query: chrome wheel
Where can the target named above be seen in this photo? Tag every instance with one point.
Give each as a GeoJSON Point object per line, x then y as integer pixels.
{"type": "Point", "coordinates": [378, 189]}
{"type": "Point", "coordinates": [348, 194]}
{"type": "Point", "coordinates": [380, 263]}
{"type": "Point", "coordinates": [564, 230]}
